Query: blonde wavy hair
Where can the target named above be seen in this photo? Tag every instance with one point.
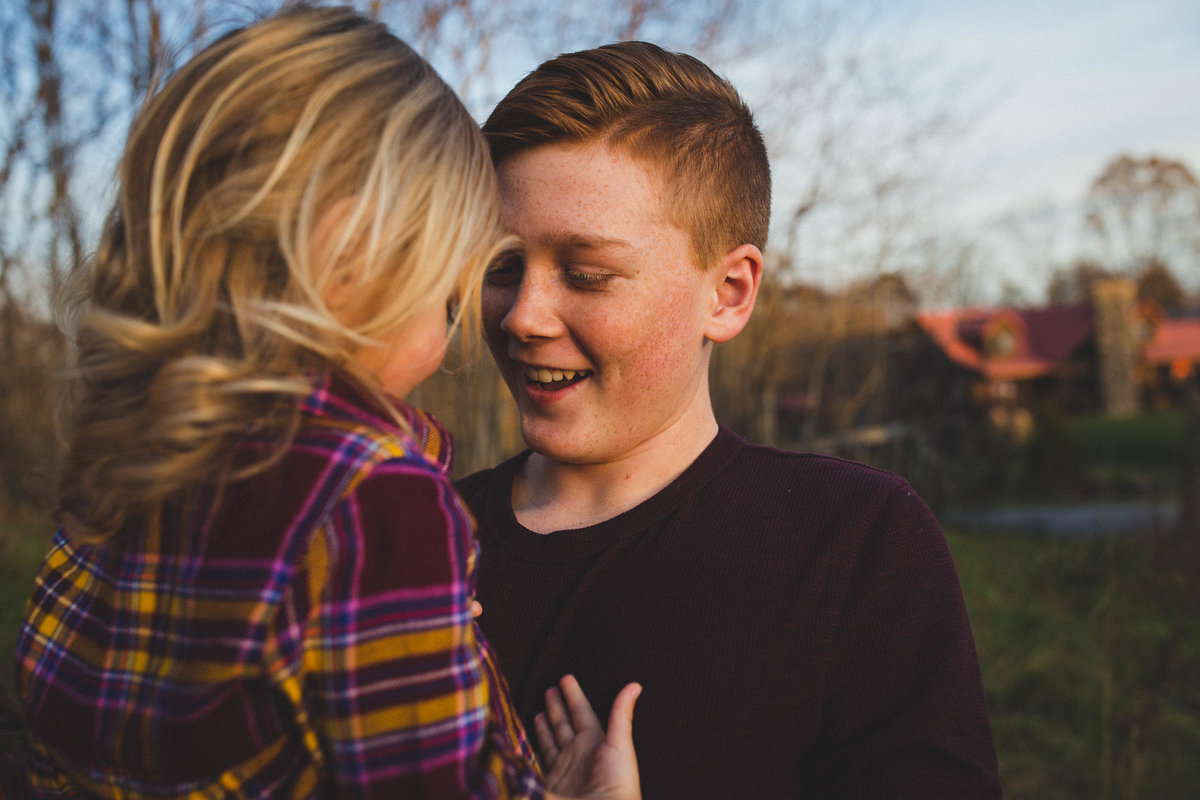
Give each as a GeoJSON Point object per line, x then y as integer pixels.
{"type": "Point", "coordinates": [203, 315]}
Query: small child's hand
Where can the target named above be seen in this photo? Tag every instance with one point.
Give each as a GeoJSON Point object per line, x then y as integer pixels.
{"type": "Point", "coordinates": [582, 760]}
{"type": "Point", "coordinates": [476, 609]}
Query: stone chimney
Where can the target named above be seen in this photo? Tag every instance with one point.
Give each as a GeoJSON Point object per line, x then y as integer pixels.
{"type": "Point", "coordinates": [1113, 302]}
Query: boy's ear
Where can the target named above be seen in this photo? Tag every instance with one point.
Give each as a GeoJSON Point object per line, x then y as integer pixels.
{"type": "Point", "coordinates": [738, 277]}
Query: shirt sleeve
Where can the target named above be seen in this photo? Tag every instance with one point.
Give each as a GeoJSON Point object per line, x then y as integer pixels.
{"type": "Point", "coordinates": [906, 715]}
{"type": "Point", "coordinates": [402, 695]}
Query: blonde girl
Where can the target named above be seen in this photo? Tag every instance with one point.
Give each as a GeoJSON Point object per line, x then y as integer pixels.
{"type": "Point", "coordinates": [261, 586]}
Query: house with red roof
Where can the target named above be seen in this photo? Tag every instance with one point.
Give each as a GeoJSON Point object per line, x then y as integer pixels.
{"type": "Point", "coordinates": [1170, 355]}
{"type": "Point", "coordinates": [1116, 353]}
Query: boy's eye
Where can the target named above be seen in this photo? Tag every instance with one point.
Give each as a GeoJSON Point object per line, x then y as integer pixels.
{"type": "Point", "coordinates": [590, 280]}
{"type": "Point", "coordinates": [506, 270]}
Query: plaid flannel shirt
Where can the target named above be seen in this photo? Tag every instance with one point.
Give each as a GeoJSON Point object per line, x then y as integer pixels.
{"type": "Point", "coordinates": [305, 633]}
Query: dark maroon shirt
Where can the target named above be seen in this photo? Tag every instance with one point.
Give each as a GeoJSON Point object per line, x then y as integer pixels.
{"type": "Point", "coordinates": [795, 619]}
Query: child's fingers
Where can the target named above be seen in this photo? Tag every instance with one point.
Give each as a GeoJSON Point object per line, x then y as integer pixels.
{"type": "Point", "coordinates": [582, 716]}
{"type": "Point", "coordinates": [549, 747]}
{"type": "Point", "coordinates": [620, 719]}
{"type": "Point", "coordinates": [558, 718]}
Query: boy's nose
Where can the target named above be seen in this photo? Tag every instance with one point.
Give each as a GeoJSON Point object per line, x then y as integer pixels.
{"type": "Point", "coordinates": [533, 313]}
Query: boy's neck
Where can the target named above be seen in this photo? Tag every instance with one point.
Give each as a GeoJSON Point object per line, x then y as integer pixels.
{"type": "Point", "coordinates": [550, 495]}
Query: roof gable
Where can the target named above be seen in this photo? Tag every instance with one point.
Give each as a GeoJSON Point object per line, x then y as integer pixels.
{"type": "Point", "coordinates": [1044, 338]}
{"type": "Point", "coordinates": [1173, 340]}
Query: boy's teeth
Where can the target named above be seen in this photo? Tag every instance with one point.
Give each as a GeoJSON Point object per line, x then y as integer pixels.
{"type": "Point", "coordinates": [544, 375]}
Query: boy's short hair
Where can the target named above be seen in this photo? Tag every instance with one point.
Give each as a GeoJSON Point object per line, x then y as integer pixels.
{"type": "Point", "coordinates": [667, 109]}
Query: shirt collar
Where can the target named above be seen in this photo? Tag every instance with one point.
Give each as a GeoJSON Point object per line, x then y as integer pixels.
{"type": "Point", "coordinates": [339, 396]}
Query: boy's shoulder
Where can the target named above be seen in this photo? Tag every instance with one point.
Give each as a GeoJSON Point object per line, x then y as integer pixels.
{"type": "Point", "coordinates": [788, 465]}
{"type": "Point", "coordinates": [765, 470]}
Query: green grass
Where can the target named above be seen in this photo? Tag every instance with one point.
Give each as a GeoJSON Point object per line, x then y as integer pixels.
{"type": "Point", "coordinates": [1078, 646]}
{"type": "Point", "coordinates": [22, 545]}
{"type": "Point", "coordinates": [1153, 439]}
{"type": "Point", "coordinates": [1091, 663]}
{"type": "Point", "coordinates": [1068, 460]}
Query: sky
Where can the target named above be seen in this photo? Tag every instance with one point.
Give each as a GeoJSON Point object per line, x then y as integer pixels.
{"type": "Point", "coordinates": [1064, 86]}
{"type": "Point", "coordinates": [1051, 90]}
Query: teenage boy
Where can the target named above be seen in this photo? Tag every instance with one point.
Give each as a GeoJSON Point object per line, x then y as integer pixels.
{"type": "Point", "coordinates": [795, 619]}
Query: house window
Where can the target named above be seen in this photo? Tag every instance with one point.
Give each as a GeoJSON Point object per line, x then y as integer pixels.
{"type": "Point", "coordinates": [1003, 390]}
{"type": "Point", "coordinates": [1001, 343]}
{"type": "Point", "coordinates": [1144, 330]}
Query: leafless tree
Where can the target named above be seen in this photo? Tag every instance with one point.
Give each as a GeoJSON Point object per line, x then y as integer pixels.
{"type": "Point", "coordinates": [1144, 210]}
{"type": "Point", "coordinates": [482, 46]}
{"type": "Point", "coordinates": [1157, 282]}
{"type": "Point", "coordinates": [73, 72]}
{"type": "Point", "coordinates": [1073, 284]}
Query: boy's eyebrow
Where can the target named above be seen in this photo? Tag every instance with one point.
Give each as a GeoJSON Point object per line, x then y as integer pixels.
{"type": "Point", "coordinates": [577, 241]}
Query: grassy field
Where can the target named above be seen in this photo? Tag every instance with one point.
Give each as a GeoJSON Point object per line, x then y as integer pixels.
{"type": "Point", "coordinates": [22, 545]}
{"type": "Point", "coordinates": [1090, 651]}
{"type": "Point", "coordinates": [1090, 457]}
{"type": "Point", "coordinates": [1150, 440]}
{"type": "Point", "coordinates": [1089, 648]}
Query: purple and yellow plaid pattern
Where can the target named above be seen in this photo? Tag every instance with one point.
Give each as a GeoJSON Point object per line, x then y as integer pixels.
{"type": "Point", "coordinates": [306, 632]}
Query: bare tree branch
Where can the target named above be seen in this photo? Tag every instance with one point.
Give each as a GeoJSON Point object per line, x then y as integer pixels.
{"type": "Point", "coordinates": [1144, 210]}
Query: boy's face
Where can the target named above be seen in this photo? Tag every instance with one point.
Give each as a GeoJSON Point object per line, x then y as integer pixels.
{"type": "Point", "coordinates": [598, 323]}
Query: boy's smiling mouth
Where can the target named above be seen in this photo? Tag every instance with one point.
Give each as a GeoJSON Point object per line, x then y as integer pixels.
{"type": "Point", "coordinates": [547, 378]}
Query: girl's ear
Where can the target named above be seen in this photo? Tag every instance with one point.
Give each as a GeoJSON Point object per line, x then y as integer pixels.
{"type": "Point", "coordinates": [737, 279]}
{"type": "Point", "coordinates": [325, 251]}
